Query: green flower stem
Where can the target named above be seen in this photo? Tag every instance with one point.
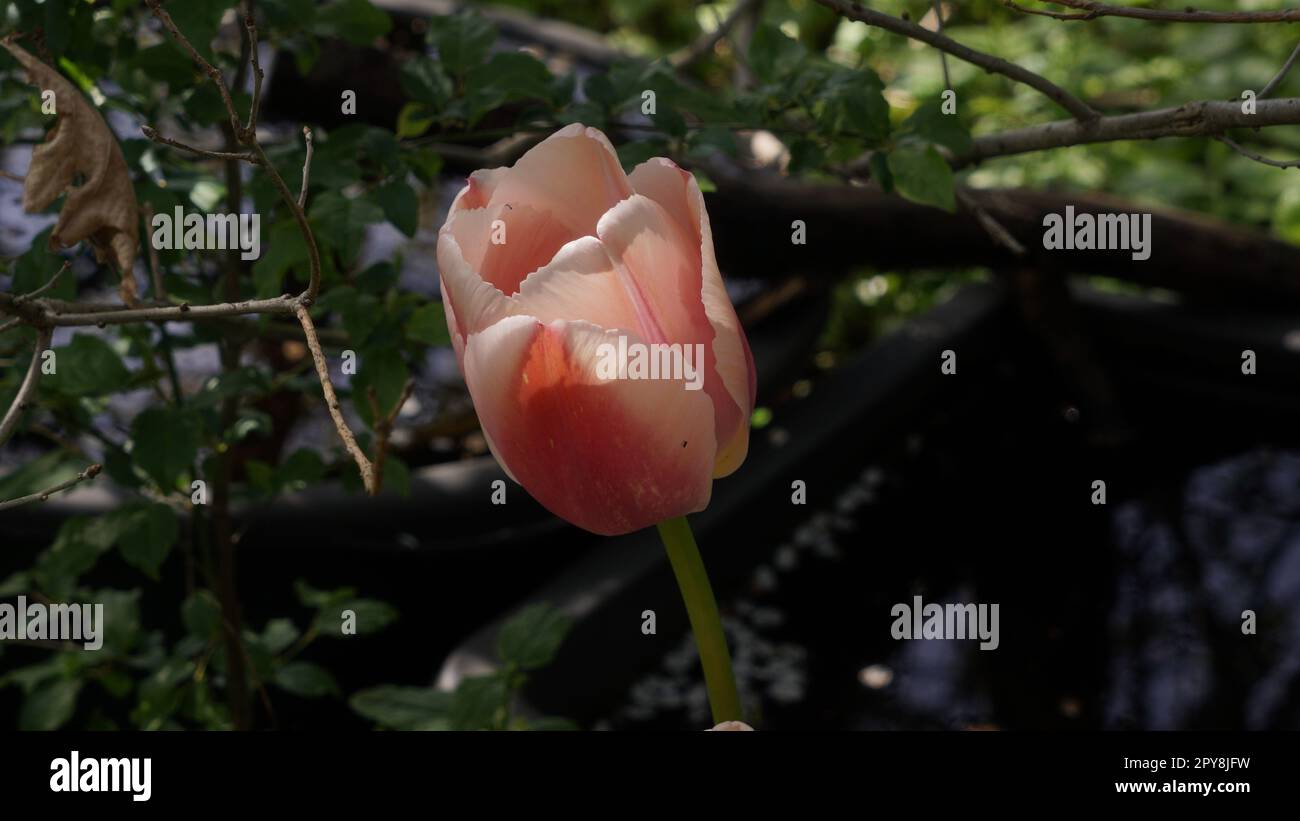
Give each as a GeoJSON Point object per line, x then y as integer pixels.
{"type": "Point", "coordinates": [703, 611]}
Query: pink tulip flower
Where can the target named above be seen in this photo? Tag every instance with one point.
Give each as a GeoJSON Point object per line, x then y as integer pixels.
{"type": "Point", "coordinates": [547, 264]}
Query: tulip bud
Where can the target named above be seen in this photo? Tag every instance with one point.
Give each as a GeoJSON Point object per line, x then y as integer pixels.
{"type": "Point", "coordinates": [549, 265]}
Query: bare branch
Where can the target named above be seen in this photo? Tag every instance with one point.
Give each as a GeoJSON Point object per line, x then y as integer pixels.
{"type": "Point", "coordinates": [202, 152]}
{"type": "Point", "coordinates": [256, 104]}
{"type": "Point", "coordinates": [207, 68]}
{"type": "Point", "coordinates": [689, 55]}
{"type": "Point", "coordinates": [1281, 74]}
{"type": "Point", "coordinates": [1090, 10]}
{"type": "Point", "coordinates": [383, 423]}
{"type": "Point", "coordinates": [85, 314]}
{"type": "Point", "coordinates": [1204, 118]}
{"type": "Point", "coordinates": [332, 400]}
{"type": "Point", "coordinates": [1259, 158]}
{"type": "Point", "coordinates": [155, 270]}
{"type": "Point", "coordinates": [86, 475]}
{"type": "Point", "coordinates": [54, 280]}
{"type": "Point", "coordinates": [306, 169]}
{"type": "Point", "coordinates": [989, 223]}
{"type": "Point", "coordinates": [1076, 107]}
{"type": "Point", "coordinates": [313, 254]}
{"type": "Point", "coordinates": [27, 390]}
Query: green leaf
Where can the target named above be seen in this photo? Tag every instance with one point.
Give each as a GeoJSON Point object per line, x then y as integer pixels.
{"type": "Point", "coordinates": [315, 599]}
{"type": "Point", "coordinates": [147, 533]}
{"type": "Point", "coordinates": [35, 267]}
{"type": "Point", "coordinates": [340, 222]}
{"type": "Point", "coordinates": [774, 56]}
{"type": "Point", "coordinates": [371, 617]}
{"type": "Point", "coordinates": [429, 325]}
{"type": "Point", "coordinates": [121, 619]}
{"type": "Point", "coordinates": [531, 638]}
{"type": "Point", "coordinates": [285, 251]}
{"type": "Point", "coordinates": [853, 102]}
{"type": "Point", "coordinates": [463, 41]}
{"type": "Point", "coordinates": [87, 366]}
{"type": "Point", "coordinates": [357, 21]}
{"type": "Point", "coordinates": [425, 82]}
{"type": "Point", "coordinates": [16, 584]}
{"type": "Point", "coordinates": [397, 476]}
{"type": "Point", "coordinates": [400, 204]}
{"type": "Point", "coordinates": [49, 707]}
{"type": "Point", "coordinates": [300, 468]}
{"type": "Point", "coordinates": [480, 703]}
{"type": "Point", "coordinates": [414, 120]}
{"type": "Point", "coordinates": [165, 444]}
{"type": "Point", "coordinates": [201, 614]}
{"type": "Point", "coordinates": [76, 548]}
{"type": "Point", "coordinates": [921, 175]}
{"type": "Point", "coordinates": [425, 163]}
{"type": "Point", "coordinates": [930, 124]}
{"type": "Point", "coordinates": [404, 708]}
{"type": "Point", "coordinates": [385, 371]}
{"type": "Point", "coordinates": [278, 635]}
{"type": "Point", "coordinates": [303, 678]}
{"type": "Point", "coordinates": [160, 695]}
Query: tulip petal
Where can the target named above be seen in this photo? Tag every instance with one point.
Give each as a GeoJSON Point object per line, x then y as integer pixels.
{"type": "Point", "coordinates": [611, 456]}
{"type": "Point", "coordinates": [471, 304]}
{"type": "Point", "coordinates": [574, 174]}
{"type": "Point", "coordinates": [677, 191]}
{"type": "Point", "coordinates": [662, 266]}
{"type": "Point", "coordinates": [505, 243]}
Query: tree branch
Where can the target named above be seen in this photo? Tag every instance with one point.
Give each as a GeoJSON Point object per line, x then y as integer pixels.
{"type": "Point", "coordinates": [1076, 107]}
{"type": "Point", "coordinates": [1090, 10]}
{"type": "Point", "coordinates": [1281, 73]}
{"type": "Point", "coordinates": [85, 476]}
{"type": "Point", "coordinates": [332, 400]}
{"type": "Point", "coordinates": [1259, 158]}
{"type": "Point", "coordinates": [27, 389]}
{"type": "Point", "coordinates": [689, 55]}
{"type": "Point", "coordinates": [384, 426]}
{"type": "Point", "coordinates": [1204, 118]}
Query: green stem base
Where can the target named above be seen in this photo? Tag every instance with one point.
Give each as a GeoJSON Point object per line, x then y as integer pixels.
{"type": "Point", "coordinates": [702, 609]}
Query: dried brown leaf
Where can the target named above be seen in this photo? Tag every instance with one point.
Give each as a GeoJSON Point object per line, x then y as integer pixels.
{"type": "Point", "coordinates": [102, 209]}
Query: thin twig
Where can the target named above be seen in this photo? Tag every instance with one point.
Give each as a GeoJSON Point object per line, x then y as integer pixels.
{"type": "Point", "coordinates": [689, 55]}
{"type": "Point", "coordinates": [1259, 158]}
{"type": "Point", "coordinates": [943, 58]}
{"type": "Point", "coordinates": [1281, 74]}
{"type": "Point", "coordinates": [245, 156]}
{"type": "Point", "coordinates": [1203, 118]}
{"type": "Point", "coordinates": [300, 216]}
{"type": "Point", "coordinates": [384, 426]}
{"type": "Point", "coordinates": [1076, 107]}
{"type": "Point", "coordinates": [989, 223]}
{"type": "Point", "coordinates": [100, 316]}
{"type": "Point", "coordinates": [27, 390]}
{"type": "Point", "coordinates": [155, 270]}
{"type": "Point", "coordinates": [6, 175]}
{"type": "Point", "coordinates": [207, 68]}
{"type": "Point", "coordinates": [332, 399]}
{"type": "Point", "coordinates": [306, 169]}
{"type": "Point", "coordinates": [85, 476]}
{"type": "Point", "coordinates": [256, 103]}
{"type": "Point", "coordinates": [54, 280]}
{"type": "Point", "coordinates": [1090, 10]}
